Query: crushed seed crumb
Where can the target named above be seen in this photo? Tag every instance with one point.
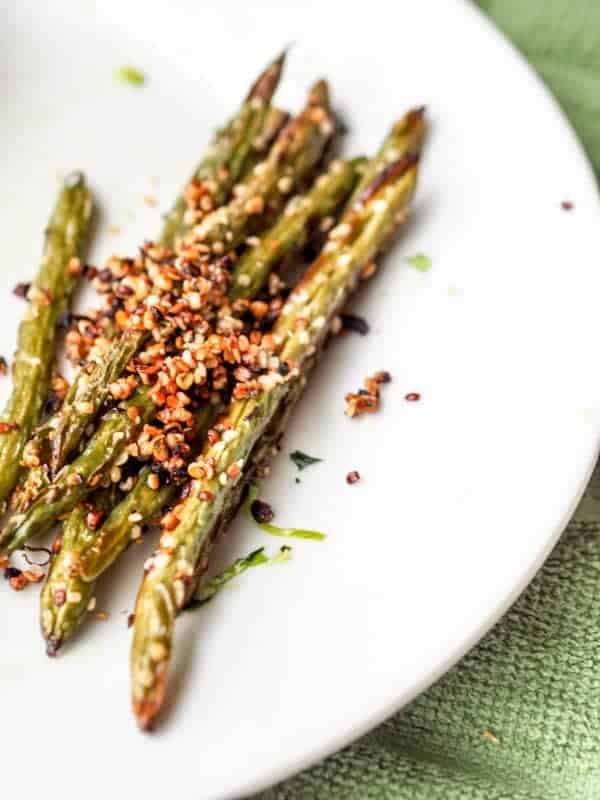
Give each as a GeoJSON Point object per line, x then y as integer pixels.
{"type": "Point", "coordinates": [22, 290]}
{"type": "Point", "coordinates": [352, 322]}
{"type": "Point", "coordinates": [74, 479]}
{"type": "Point", "coordinates": [262, 511]}
{"type": "Point", "coordinates": [93, 519]}
{"type": "Point", "coordinates": [368, 271]}
{"type": "Point", "coordinates": [201, 348]}
{"type": "Point", "coordinates": [7, 427]}
{"type": "Point", "coordinates": [75, 266]}
{"type": "Point", "coordinates": [60, 597]}
{"type": "Point", "coordinates": [366, 401]}
{"type": "Point", "coordinates": [336, 325]}
{"type": "Point", "coordinates": [254, 205]}
{"type": "Point", "coordinates": [136, 532]}
{"type": "Point", "coordinates": [33, 576]}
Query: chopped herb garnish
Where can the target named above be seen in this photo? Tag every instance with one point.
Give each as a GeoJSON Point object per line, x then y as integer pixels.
{"type": "Point", "coordinates": [275, 530]}
{"type": "Point", "coordinates": [254, 559]}
{"type": "Point", "coordinates": [283, 554]}
{"type": "Point", "coordinates": [302, 460]}
{"type": "Point", "coordinates": [420, 261]}
{"type": "Point", "coordinates": [131, 75]}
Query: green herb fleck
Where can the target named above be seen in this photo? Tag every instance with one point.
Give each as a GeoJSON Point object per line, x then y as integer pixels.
{"type": "Point", "coordinates": [275, 530]}
{"type": "Point", "coordinates": [254, 559]}
{"type": "Point", "coordinates": [131, 75]}
{"type": "Point", "coordinates": [302, 460]}
{"type": "Point", "coordinates": [283, 554]}
{"type": "Point", "coordinates": [420, 261]}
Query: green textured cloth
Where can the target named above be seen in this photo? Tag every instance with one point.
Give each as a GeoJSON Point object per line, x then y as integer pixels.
{"type": "Point", "coordinates": [519, 717]}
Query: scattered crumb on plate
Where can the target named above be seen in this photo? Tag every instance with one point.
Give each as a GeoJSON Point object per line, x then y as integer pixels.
{"type": "Point", "coordinates": [366, 400]}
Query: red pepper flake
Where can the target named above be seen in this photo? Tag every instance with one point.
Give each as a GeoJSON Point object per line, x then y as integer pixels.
{"type": "Point", "coordinates": [93, 519]}
{"type": "Point", "coordinates": [567, 205]}
{"type": "Point", "coordinates": [130, 620]}
{"type": "Point", "coordinates": [352, 477]}
{"type": "Point", "coordinates": [3, 366]}
{"type": "Point", "coordinates": [7, 427]}
{"type": "Point", "coordinates": [412, 397]}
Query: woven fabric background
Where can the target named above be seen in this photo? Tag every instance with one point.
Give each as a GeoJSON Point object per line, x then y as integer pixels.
{"type": "Point", "coordinates": [519, 717]}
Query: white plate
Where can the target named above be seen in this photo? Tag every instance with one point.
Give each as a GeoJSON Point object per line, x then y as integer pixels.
{"type": "Point", "coordinates": [462, 494]}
